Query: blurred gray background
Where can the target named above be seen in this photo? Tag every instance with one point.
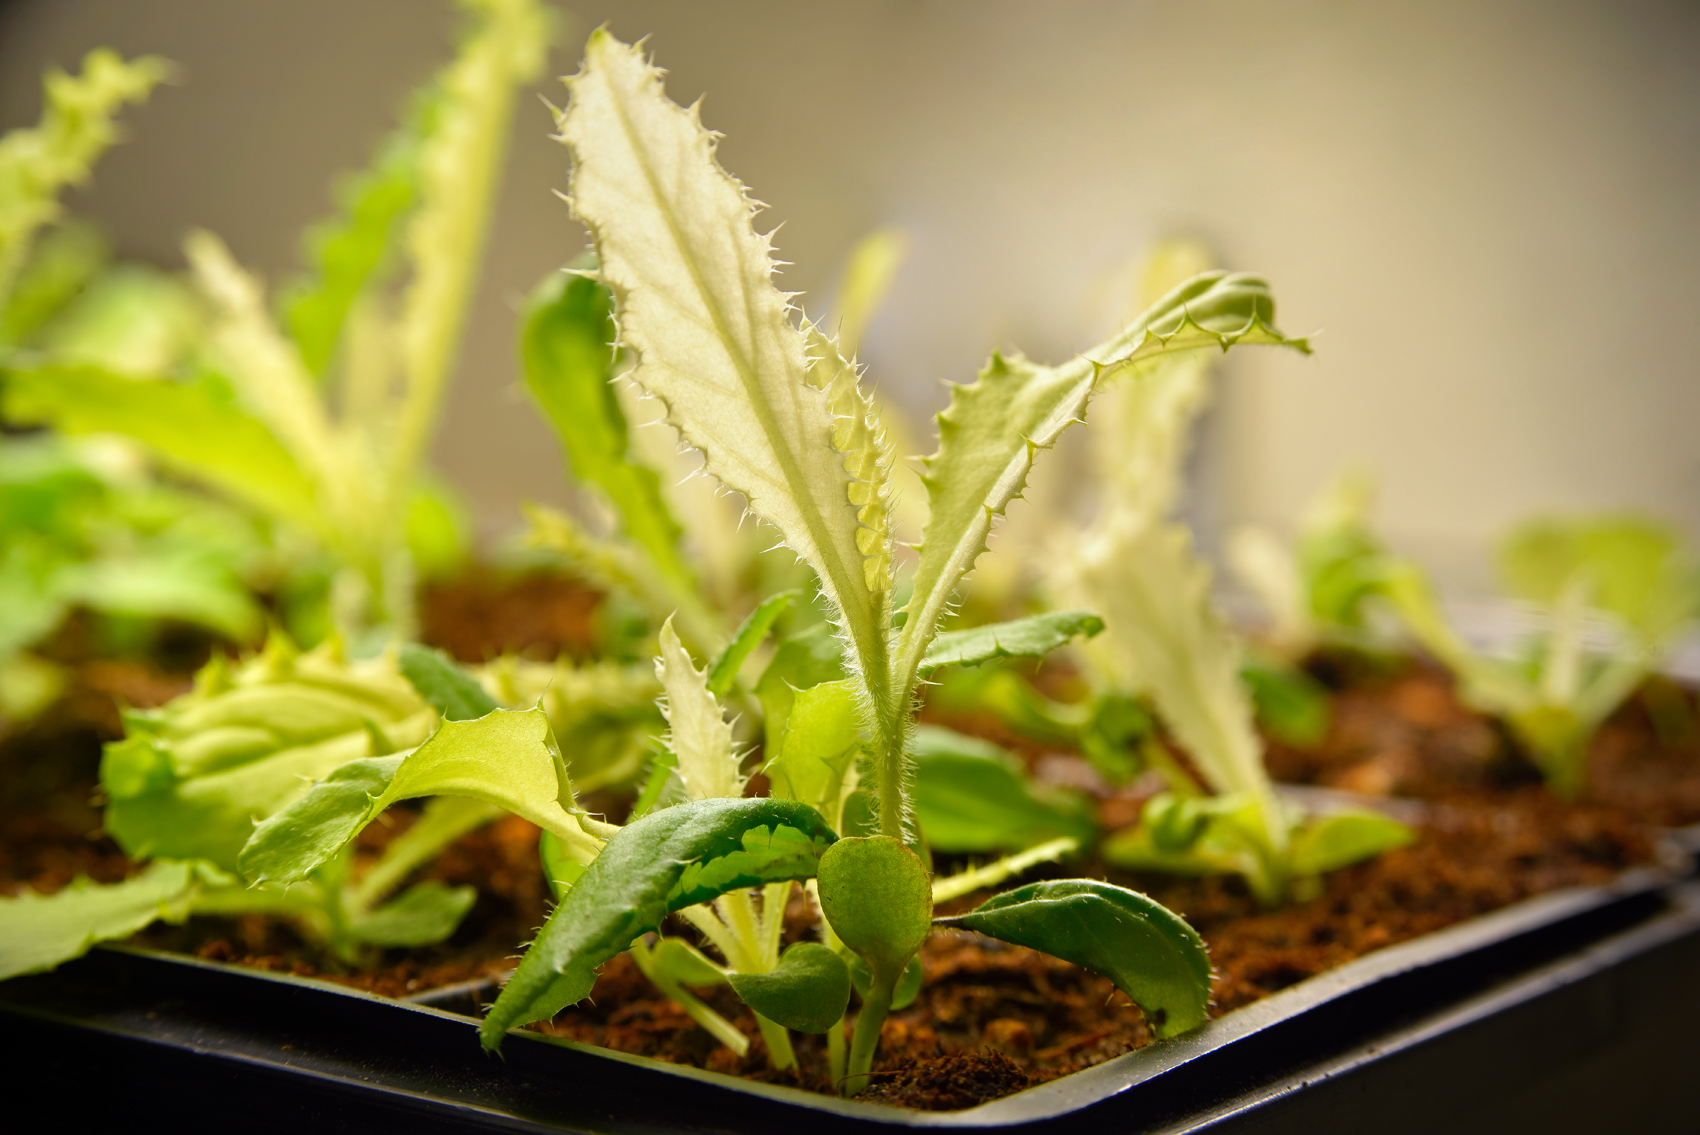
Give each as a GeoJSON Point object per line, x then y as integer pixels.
{"type": "Point", "coordinates": [1489, 209]}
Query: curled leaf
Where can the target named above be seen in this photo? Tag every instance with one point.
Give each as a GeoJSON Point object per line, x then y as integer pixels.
{"type": "Point", "coordinates": [1148, 951]}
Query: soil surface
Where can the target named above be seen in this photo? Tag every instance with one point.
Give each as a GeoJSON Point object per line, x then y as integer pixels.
{"type": "Point", "coordinates": [992, 1018]}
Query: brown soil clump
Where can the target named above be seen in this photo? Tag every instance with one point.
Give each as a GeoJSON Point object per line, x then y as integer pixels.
{"type": "Point", "coordinates": [482, 615]}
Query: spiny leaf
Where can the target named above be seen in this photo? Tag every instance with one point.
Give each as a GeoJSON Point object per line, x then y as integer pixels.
{"type": "Point", "coordinates": [857, 435]}
{"type": "Point", "coordinates": [568, 347]}
{"type": "Point", "coordinates": [633, 884]}
{"type": "Point", "coordinates": [1149, 952]}
{"type": "Point", "coordinates": [699, 735]}
{"type": "Point", "coordinates": [75, 129]}
{"type": "Point", "coordinates": [1032, 637]}
{"type": "Point", "coordinates": [1166, 638]}
{"type": "Point", "coordinates": [460, 166]}
{"type": "Point", "coordinates": [992, 429]}
{"type": "Point", "coordinates": [713, 337]}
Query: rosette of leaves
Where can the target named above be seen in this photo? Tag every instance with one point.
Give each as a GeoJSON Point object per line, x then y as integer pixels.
{"type": "Point", "coordinates": [319, 420]}
{"type": "Point", "coordinates": [1612, 594]}
{"type": "Point", "coordinates": [186, 785]}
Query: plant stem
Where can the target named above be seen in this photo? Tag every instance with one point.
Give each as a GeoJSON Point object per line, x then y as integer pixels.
{"type": "Point", "coordinates": [445, 820]}
{"type": "Point", "coordinates": [717, 1026]}
{"type": "Point", "coordinates": [835, 1054]}
{"type": "Point", "coordinates": [866, 1038]}
{"type": "Point", "coordinates": [780, 1054]}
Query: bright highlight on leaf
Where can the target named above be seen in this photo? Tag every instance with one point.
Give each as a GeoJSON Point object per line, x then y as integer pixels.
{"type": "Point", "coordinates": [714, 339]}
{"type": "Point", "coordinates": [638, 878]}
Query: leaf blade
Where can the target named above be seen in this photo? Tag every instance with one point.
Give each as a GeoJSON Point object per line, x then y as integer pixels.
{"type": "Point", "coordinates": [712, 335]}
{"type": "Point", "coordinates": [567, 345]}
{"type": "Point", "coordinates": [989, 434]}
{"type": "Point", "coordinates": [1148, 951]}
{"type": "Point", "coordinates": [627, 890]}
{"type": "Point", "coordinates": [1032, 637]}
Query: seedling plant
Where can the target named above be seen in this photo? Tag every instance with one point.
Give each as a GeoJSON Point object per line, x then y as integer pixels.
{"type": "Point", "coordinates": [778, 416]}
{"type": "Point", "coordinates": [318, 418]}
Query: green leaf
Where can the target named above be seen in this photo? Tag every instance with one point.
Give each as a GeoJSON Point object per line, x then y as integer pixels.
{"type": "Point", "coordinates": [291, 844]}
{"type": "Point", "coordinates": [38, 932]}
{"type": "Point", "coordinates": [993, 428]}
{"type": "Point", "coordinates": [1166, 639]}
{"type": "Point", "coordinates": [1633, 567]}
{"type": "Point", "coordinates": [876, 895]}
{"type": "Point", "coordinates": [568, 348]}
{"type": "Point", "coordinates": [818, 743]}
{"type": "Point", "coordinates": [724, 671]}
{"type": "Point", "coordinates": [801, 662]}
{"type": "Point", "coordinates": [682, 962]}
{"type": "Point", "coordinates": [1294, 707]}
{"type": "Point", "coordinates": [775, 412]}
{"type": "Point", "coordinates": [636, 881]}
{"type": "Point", "coordinates": [1338, 839]}
{"type": "Point", "coordinates": [506, 758]}
{"type": "Point", "coordinates": [348, 251]}
{"type": "Point", "coordinates": [1148, 951]}
{"type": "Point", "coordinates": [444, 684]}
{"type": "Point", "coordinates": [908, 985]}
{"type": "Point", "coordinates": [809, 990]}
{"type": "Point", "coordinates": [60, 264]}
{"type": "Point", "coordinates": [76, 127]}
{"type": "Point", "coordinates": [1032, 637]}
{"type": "Point", "coordinates": [970, 795]}
{"type": "Point", "coordinates": [421, 916]}
{"type": "Point", "coordinates": [190, 427]}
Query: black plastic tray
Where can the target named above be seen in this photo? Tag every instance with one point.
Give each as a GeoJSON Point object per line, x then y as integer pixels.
{"type": "Point", "coordinates": [1579, 1008]}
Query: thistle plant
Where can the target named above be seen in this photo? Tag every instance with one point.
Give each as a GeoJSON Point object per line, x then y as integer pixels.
{"type": "Point", "coordinates": [1164, 641]}
{"type": "Point", "coordinates": [778, 415]}
{"type": "Point", "coordinates": [320, 423]}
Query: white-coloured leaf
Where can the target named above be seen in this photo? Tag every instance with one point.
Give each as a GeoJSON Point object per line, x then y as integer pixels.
{"type": "Point", "coordinates": [712, 335]}
{"type": "Point", "coordinates": [1165, 638]}
{"type": "Point", "coordinates": [262, 364]}
{"type": "Point", "coordinates": [699, 735]}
